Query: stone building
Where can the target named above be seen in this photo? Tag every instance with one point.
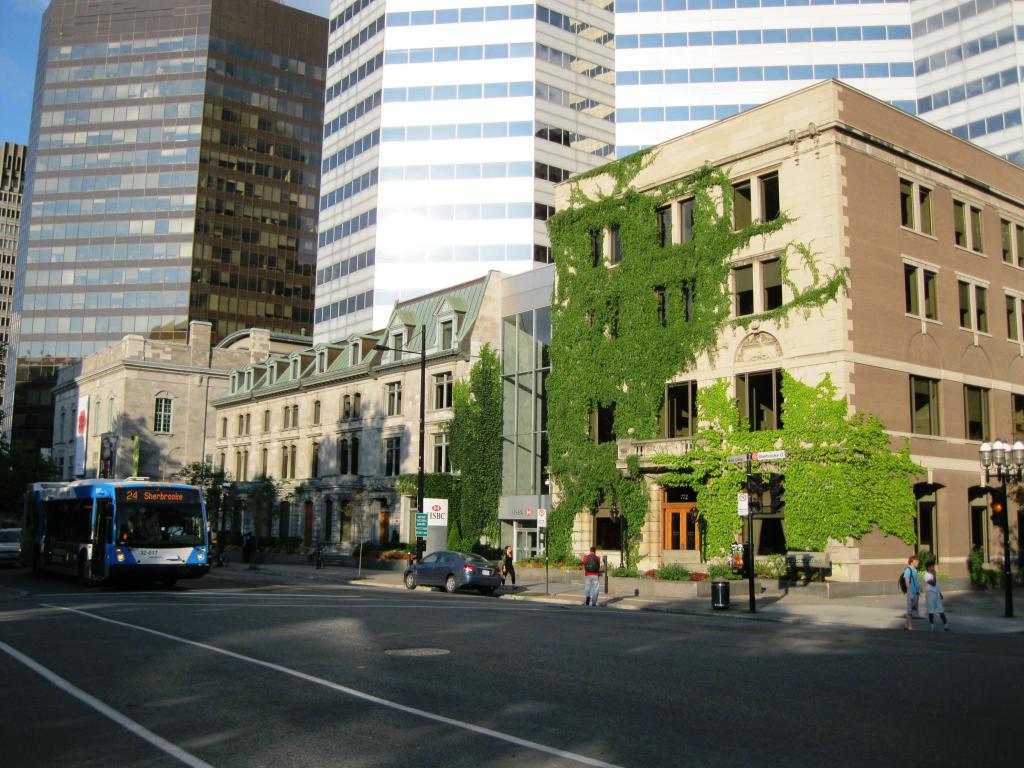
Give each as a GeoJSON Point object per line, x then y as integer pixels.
{"type": "Point", "coordinates": [928, 337]}
{"type": "Point", "coordinates": [339, 422]}
{"type": "Point", "coordinates": [12, 187]}
{"type": "Point", "coordinates": [143, 407]}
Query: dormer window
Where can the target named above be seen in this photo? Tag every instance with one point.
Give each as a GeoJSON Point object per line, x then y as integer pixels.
{"type": "Point", "coordinates": [248, 379]}
{"type": "Point", "coordinates": [234, 383]}
{"type": "Point", "coordinates": [356, 353]}
{"type": "Point", "coordinates": [447, 334]}
{"type": "Point", "coordinates": [321, 361]}
{"type": "Point", "coordinates": [397, 340]}
{"type": "Point", "coordinates": [295, 368]}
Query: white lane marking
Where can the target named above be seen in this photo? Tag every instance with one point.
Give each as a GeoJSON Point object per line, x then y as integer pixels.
{"type": "Point", "coordinates": [205, 595]}
{"type": "Point", "coordinates": [125, 722]}
{"type": "Point", "coordinates": [357, 694]}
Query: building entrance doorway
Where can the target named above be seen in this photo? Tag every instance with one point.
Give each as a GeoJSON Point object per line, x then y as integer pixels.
{"type": "Point", "coordinates": [385, 523]}
{"type": "Point", "coordinates": [527, 540]}
{"type": "Point", "coordinates": [307, 531]}
{"type": "Point", "coordinates": [680, 523]}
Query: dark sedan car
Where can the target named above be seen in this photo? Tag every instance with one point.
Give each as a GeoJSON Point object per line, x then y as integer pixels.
{"type": "Point", "coordinates": [453, 571]}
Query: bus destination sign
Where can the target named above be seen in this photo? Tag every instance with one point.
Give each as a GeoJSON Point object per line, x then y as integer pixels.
{"type": "Point", "coordinates": [157, 495]}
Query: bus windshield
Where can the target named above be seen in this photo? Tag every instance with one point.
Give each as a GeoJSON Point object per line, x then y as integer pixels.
{"type": "Point", "coordinates": [159, 517]}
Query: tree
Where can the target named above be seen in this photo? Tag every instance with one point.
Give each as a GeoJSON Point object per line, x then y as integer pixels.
{"type": "Point", "coordinates": [211, 482]}
{"type": "Point", "coordinates": [19, 467]}
{"type": "Point", "coordinates": [262, 497]}
{"type": "Point", "coordinates": [474, 439]}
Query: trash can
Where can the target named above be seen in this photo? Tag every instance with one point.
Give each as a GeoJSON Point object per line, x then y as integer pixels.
{"type": "Point", "coordinates": [720, 594]}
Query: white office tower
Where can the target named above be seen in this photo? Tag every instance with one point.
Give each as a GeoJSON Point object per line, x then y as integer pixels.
{"type": "Point", "coordinates": [969, 61]}
{"type": "Point", "coordinates": [681, 64]}
{"type": "Point", "coordinates": [446, 125]}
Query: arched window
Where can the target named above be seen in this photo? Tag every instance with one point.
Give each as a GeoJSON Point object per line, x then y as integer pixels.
{"type": "Point", "coordinates": [162, 414]}
{"type": "Point", "coordinates": [355, 405]}
{"type": "Point", "coordinates": [316, 412]}
{"type": "Point", "coordinates": [295, 415]}
{"type": "Point", "coordinates": [314, 464]}
{"type": "Point", "coordinates": [354, 456]}
{"type": "Point", "coordinates": [342, 456]}
{"type": "Point", "coordinates": [346, 407]}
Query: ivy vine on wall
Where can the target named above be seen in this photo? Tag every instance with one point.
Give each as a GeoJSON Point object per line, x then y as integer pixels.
{"type": "Point", "coordinates": [610, 349]}
{"type": "Point", "coordinates": [841, 478]}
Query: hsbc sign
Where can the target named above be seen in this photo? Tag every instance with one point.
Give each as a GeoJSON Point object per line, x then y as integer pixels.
{"type": "Point", "coordinates": [437, 511]}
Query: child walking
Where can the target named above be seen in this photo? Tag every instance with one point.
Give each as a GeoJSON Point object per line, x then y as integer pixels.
{"type": "Point", "coordinates": [933, 597]}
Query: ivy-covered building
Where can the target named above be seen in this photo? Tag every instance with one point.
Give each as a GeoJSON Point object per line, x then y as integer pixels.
{"type": "Point", "coordinates": [338, 423]}
{"type": "Point", "coordinates": [824, 275]}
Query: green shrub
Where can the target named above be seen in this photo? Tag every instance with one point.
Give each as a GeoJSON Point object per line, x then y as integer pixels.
{"type": "Point", "coordinates": [720, 571]}
{"type": "Point", "coordinates": [980, 575]}
{"type": "Point", "coordinates": [672, 572]}
{"type": "Point", "coordinates": [627, 572]}
{"type": "Point", "coordinates": [772, 567]}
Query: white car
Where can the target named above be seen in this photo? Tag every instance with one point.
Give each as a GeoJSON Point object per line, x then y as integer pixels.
{"type": "Point", "coordinates": [10, 546]}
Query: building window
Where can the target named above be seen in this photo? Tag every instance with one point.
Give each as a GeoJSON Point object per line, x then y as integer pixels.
{"type": "Point", "coordinates": [967, 232]}
{"type": "Point", "coordinates": [976, 419]}
{"type": "Point", "coordinates": [292, 454]}
{"type": "Point", "coordinates": [392, 456]}
{"type": "Point", "coordinates": [687, 300]}
{"type": "Point", "coordinates": [295, 415]}
{"type": "Point", "coordinates": [680, 413]}
{"type": "Point", "coordinates": [742, 205]}
{"type": "Point", "coordinates": [287, 417]}
{"type": "Point", "coordinates": [915, 207]}
{"type": "Point", "coordinates": [616, 234]}
{"type": "Point", "coordinates": [1012, 242]}
{"type": "Point", "coordinates": [771, 283]}
{"type": "Point", "coordinates": [743, 290]}
{"type": "Point", "coordinates": [920, 291]}
{"type": "Point", "coordinates": [770, 205]}
{"type": "Point", "coordinates": [356, 403]}
{"type": "Point", "coordinates": [393, 403]}
{"type": "Point", "coordinates": [927, 524]}
{"type": "Point", "coordinates": [162, 418]}
{"type": "Point", "coordinates": [441, 459]}
{"type": "Point", "coordinates": [1018, 417]}
{"type": "Point", "coordinates": [346, 407]}
{"type": "Point", "coordinates": [442, 391]}
{"type": "Point", "coordinates": [659, 298]}
{"type": "Point", "coordinates": [284, 462]}
{"type": "Point", "coordinates": [266, 421]}
{"type": "Point", "coordinates": [238, 466]}
{"type": "Point", "coordinates": [314, 459]}
{"type": "Point", "coordinates": [924, 406]}
{"type": "Point", "coordinates": [354, 456]}
{"type": "Point", "coordinates": [979, 527]}
{"type": "Point", "coordinates": [447, 334]}
{"type": "Point", "coordinates": [973, 306]}
{"type": "Point", "coordinates": [316, 412]}
{"type": "Point", "coordinates": [264, 462]}
{"type": "Point", "coordinates": [248, 423]}
{"type": "Point", "coordinates": [241, 425]}
{"type": "Point", "coordinates": [597, 247]}
{"type": "Point", "coordinates": [356, 352]}
{"type": "Point", "coordinates": [602, 425]}
{"type": "Point", "coordinates": [221, 461]}
{"type": "Point", "coordinates": [664, 216]}
{"type": "Point", "coordinates": [686, 220]}
{"type": "Point", "coordinates": [1014, 331]}
{"type": "Point", "coordinates": [396, 346]}
{"type": "Point", "coordinates": [224, 427]}
{"type": "Point", "coordinates": [342, 456]}
{"type": "Point", "coordinates": [110, 415]}
{"type": "Point", "coordinates": [759, 396]}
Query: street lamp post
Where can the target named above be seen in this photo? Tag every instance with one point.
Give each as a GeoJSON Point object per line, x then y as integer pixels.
{"type": "Point", "coordinates": [1006, 462]}
{"type": "Point", "coordinates": [423, 416]}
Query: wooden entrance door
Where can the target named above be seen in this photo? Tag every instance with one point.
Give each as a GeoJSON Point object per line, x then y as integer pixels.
{"type": "Point", "coordinates": [679, 526]}
{"type": "Point", "coordinates": [385, 523]}
{"type": "Point", "coordinates": [307, 531]}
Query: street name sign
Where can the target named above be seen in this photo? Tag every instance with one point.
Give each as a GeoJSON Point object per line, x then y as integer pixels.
{"type": "Point", "coordinates": [768, 455]}
{"type": "Point", "coordinates": [421, 523]}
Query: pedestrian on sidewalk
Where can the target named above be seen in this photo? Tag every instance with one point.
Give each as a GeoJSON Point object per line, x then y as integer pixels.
{"type": "Point", "coordinates": [508, 568]}
{"type": "Point", "coordinates": [591, 578]}
{"type": "Point", "coordinates": [913, 588]}
{"type": "Point", "coordinates": [933, 597]}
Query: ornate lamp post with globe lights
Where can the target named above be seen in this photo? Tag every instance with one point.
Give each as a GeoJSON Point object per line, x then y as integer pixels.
{"type": "Point", "coordinates": [1005, 462]}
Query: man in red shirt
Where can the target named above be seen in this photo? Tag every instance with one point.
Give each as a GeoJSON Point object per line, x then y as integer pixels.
{"type": "Point", "coordinates": [591, 577]}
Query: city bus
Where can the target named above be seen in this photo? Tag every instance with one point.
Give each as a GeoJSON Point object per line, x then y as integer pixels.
{"type": "Point", "coordinates": [116, 530]}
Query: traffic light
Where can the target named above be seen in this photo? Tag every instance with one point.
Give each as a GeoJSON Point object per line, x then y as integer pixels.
{"type": "Point", "coordinates": [998, 507]}
{"type": "Point", "coordinates": [775, 485]}
{"type": "Point", "coordinates": [755, 488]}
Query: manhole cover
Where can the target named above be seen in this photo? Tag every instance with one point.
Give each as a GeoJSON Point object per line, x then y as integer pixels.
{"type": "Point", "coordinates": [417, 652]}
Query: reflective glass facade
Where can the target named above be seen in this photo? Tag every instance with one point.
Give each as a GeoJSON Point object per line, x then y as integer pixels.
{"type": "Point", "coordinates": [173, 175]}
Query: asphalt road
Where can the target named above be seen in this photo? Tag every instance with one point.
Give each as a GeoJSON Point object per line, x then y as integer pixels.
{"type": "Point", "coordinates": [230, 672]}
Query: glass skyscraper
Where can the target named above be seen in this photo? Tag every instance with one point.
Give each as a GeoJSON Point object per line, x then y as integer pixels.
{"type": "Point", "coordinates": [173, 175]}
{"type": "Point", "coordinates": [446, 126]}
{"type": "Point", "coordinates": [12, 188]}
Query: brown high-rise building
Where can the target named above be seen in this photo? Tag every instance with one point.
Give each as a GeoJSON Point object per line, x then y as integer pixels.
{"type": "Point", "coordinates": [173, 175]}
{"type": "Point", "coordinates": [12, 186]}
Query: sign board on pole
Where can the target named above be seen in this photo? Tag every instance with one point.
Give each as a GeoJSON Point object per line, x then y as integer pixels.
{"type": "Point", "coordinates": [742, 504]}
{"type": "Point", "coordinates": [768, 455]}
{"type": "Point", "coordinates": [735, 459]}
{"type": "Point", "coordinates": [421, 523]}
{"type": "Point", "coordinates": [437, 511]}
{"type": "Point", "coordinates": [542, 518]}
{"type": "Point", "coordinates": [81, 435]}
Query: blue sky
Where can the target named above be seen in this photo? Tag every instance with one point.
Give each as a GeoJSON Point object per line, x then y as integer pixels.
{"type": "Point", "coordinates": [19, 46]}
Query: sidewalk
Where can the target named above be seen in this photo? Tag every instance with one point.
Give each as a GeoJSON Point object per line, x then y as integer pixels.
{"type": "Point", "coordinates": [968, 612]}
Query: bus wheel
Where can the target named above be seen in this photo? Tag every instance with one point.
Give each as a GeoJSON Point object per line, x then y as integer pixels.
{"type": "Point", "coordinates": [83, 572]}
{"type": "Point", "coordinates": [168, 582]}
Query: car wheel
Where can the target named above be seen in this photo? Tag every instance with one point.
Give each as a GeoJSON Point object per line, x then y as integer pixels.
{"type": "Point", "coordinates": [450, 585]}
{"type": "Point", "coordinates": [410, 580]}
